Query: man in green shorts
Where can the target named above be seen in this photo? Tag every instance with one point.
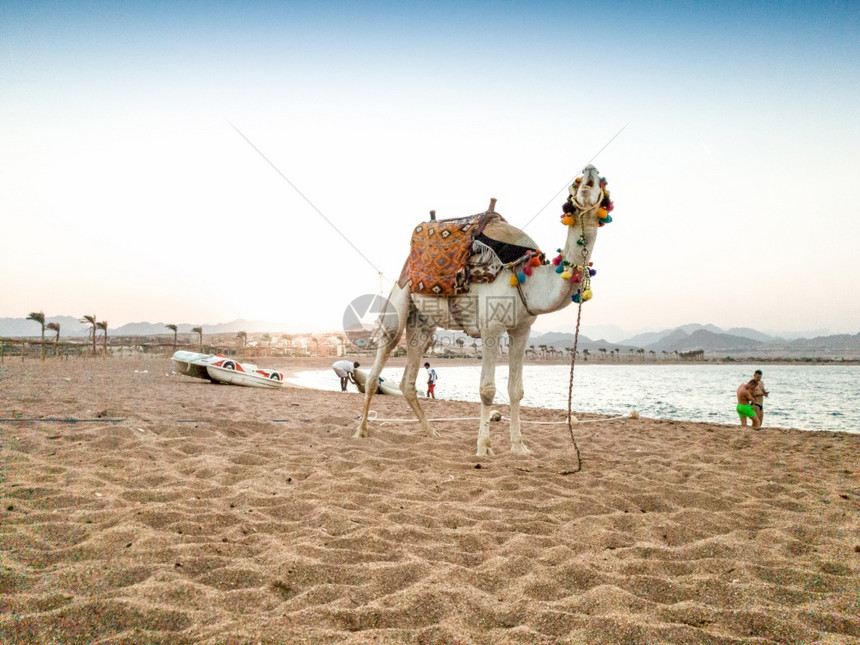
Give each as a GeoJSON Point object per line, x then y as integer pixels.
{"type": "Point", "coordinates": [746, 396]}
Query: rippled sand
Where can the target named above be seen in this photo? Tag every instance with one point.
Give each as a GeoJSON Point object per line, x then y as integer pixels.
{"type": "Point", "coordinates": [176, 511]}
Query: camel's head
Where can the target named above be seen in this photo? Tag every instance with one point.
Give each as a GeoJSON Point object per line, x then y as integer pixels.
{"type": "Point", "coordinates": [586, 190]}
{"type": "Point", "coordinates": [588, 198]}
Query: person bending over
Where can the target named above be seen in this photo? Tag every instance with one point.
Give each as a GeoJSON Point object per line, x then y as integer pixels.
{"type": "Point", "coordinates": [346, 371]}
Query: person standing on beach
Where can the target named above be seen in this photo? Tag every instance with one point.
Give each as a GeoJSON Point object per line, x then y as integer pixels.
{"type": "Point", "coordinates": [346, 371]}
{"type": "Point", "coordinates": [431, 381]}
{"type": "Point", "coordinates": [745, 397]}
{"type": "Point", "coordinates": [759, 394]}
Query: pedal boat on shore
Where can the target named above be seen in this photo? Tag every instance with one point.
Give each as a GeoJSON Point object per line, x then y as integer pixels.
{"type": "Point", "coordinates": [217, 368]}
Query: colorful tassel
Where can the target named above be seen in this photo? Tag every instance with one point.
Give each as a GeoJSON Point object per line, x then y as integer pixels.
{"type": "Point", "coordinates": [514, 280]}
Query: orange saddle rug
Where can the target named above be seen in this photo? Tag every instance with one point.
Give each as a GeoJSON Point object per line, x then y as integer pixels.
{"type": "Point", "coordinates": [438, 254]}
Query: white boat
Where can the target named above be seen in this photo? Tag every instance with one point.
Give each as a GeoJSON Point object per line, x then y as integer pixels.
{"type": "Point", "coordinates": [384, 387]}
{"type": "Point", "coordinates": [220, 369]}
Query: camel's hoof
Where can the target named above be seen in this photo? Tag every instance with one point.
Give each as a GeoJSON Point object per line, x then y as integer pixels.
{"type": "Point", "coordinates": [360, 433]}
{"type": "Point", "coordinates": [485, 452]}
{"type": "Point", "coordinates": [520, 449]}
{"type": "Point", "coordinates": [434, 434]}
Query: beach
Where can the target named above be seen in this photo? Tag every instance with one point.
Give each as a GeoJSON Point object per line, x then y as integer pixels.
{"type": "Point", "coordinates": [143, 506]}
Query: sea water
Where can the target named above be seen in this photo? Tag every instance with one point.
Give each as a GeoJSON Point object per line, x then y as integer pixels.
{"type": "Point", "coordinates": [809, 397]}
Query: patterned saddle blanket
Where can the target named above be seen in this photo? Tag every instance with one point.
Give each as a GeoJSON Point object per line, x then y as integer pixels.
{"type": "Point", "coordinates": [447, 255]}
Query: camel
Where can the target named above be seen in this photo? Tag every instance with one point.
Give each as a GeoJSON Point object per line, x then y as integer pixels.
{"type": "Point", "coordinates": [500, 308]}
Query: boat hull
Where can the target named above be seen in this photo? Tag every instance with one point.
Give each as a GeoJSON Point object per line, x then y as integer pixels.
{"type": "Point", "coordinates": [383, 388]}
{"type": "Point", "coordinates": [249, 379]}
{"type": "Point", "coordinates": [220, 369]}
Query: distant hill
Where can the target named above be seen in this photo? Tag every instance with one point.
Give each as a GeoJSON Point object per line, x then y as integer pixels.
{"type": "Point", "coordinates": [21, 327]}
{"type": "Point", "coordinates": [705, 340]}
{"type": "Point", "coordinates": [746, 332]}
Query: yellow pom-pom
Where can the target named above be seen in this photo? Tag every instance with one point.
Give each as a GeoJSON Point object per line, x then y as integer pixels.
{"type": "Point", "coordinates": [566, 275]}
{"type": "Point", "coordinates": [514, 281]}
{"type": "Point", "coordinates": [602, 213]}
{"type": "Point", "coordinates": [586, 295]}
{"type": "Point", "coordinates": [567, 220]}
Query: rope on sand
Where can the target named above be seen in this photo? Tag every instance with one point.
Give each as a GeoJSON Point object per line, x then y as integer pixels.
{"type": "Point", "coordinates": [495, 416]}
{"type": "Point", "coordinates": [61, 420]}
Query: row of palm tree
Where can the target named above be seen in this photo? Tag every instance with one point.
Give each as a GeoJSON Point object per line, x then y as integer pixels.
{"type": "Point", "coordinates": [175, 330]}
{"type": "Point", "coordinates": [102, 326]}
{"type": "Point", "coordinates": [97, 325]}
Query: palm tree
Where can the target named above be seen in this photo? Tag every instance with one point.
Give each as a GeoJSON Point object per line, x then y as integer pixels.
{"type": "Point", "coordinates": [267, 338]}
{"type": "Point", "coordinates": [175, 331]}
{"type": "Point", "coordinates": [542, 351]}
{"type": "Point", "coordinates": [102, 326]}
{"type": "Point", "coordinates": [53, 326]}
{"type": "Point", "coordinates": [585, 354]}
{"type": "Point", "coordinates": [91, 320]}
{"type": "Point", "coordinates": [199, 331]}
{"type": "Point", "coordinates": [602, 350]}
{"type": "Point", "coordinates": [39, 317]}
{"type": "Point", "coordinates": [243, 338]}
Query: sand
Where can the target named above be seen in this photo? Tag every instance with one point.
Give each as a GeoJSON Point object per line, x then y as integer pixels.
{"type": "Point", "coordinates": [177, 511]}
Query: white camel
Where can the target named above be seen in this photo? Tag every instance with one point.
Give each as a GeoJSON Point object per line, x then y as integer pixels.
{"type": "Point", "coordinates": [500, 308]}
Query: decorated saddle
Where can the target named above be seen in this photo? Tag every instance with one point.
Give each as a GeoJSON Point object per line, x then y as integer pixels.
{"type": "Point", "coordinates": [446, 256]}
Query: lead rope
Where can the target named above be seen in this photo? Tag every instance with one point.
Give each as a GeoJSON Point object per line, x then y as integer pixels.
{"type": "Point", "coordinates": [585, 282]}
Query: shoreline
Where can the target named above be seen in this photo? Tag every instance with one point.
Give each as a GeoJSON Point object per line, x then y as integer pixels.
{"type": "Point", "coordinates": [220, 514]}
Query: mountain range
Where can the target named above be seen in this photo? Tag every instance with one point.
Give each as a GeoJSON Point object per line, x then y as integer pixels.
{"type": "Point", "coordinates": [735, 342]}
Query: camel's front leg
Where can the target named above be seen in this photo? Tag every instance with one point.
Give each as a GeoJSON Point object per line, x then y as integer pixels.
{"type": "Point", "coordinates": [490, 340]}
{"type": "Point", "coordinates": [382, 355]}
{"type": "Point", "coordinates": [516, 352]}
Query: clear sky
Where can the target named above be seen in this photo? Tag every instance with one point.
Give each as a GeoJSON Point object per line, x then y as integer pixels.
{"type": "Point", "coordinates": [128, 191]}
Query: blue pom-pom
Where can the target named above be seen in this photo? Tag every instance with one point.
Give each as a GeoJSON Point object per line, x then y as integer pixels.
{"type": "Point", "coordinates": [521, 277]}
{"type": "Point", "coordinates": [592, 272]}
{"type": "Point", "coordinates": [559, 269]}
{"type": "Point", "coordinates": [575, 297]}
{"type": "Point", "coordinates": [607, 219]}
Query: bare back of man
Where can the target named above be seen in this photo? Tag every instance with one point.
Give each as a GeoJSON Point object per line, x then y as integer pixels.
{"type": "Point", "coordinates": [744, 407]}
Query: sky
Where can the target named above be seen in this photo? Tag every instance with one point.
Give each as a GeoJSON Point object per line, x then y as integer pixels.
{"type": "Point", "coordinates": [201, 162]}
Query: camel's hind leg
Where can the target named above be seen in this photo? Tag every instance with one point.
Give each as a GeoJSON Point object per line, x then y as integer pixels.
{"type": "Point", "coordinates": [393, 321]}
{"type": "Point", "coordinates": [418, 339]}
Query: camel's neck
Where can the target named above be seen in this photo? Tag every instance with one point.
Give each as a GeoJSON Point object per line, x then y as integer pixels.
{"type": "Point", "coordinates": [545, 291]}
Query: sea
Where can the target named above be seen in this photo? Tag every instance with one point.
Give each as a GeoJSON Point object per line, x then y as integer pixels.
{"type": "Point", "coordinates": [807, 397]}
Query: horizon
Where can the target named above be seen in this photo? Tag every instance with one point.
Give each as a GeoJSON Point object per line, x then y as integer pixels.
{"type": "Point", "coordinates": [609, 333]}
{"type": "Point", "coordinates": [268, 162]}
